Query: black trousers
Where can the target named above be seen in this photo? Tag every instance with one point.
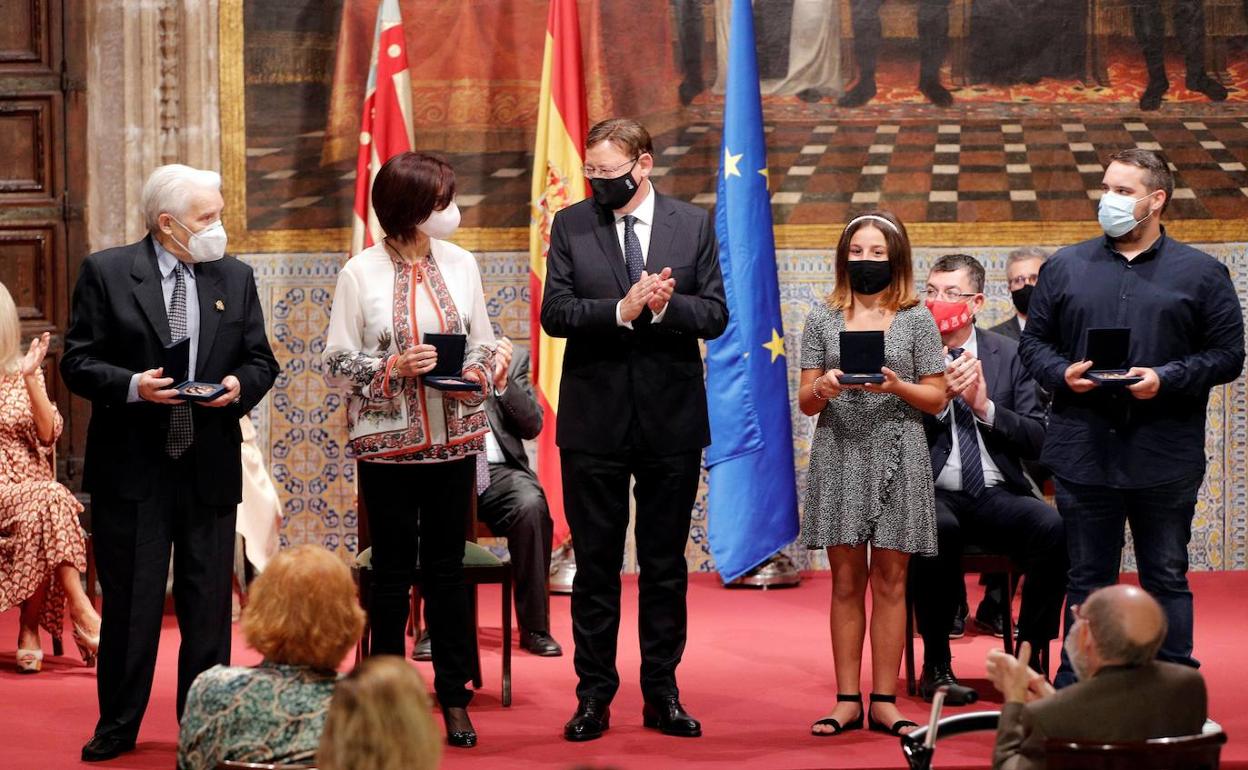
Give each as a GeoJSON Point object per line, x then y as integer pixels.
{"type": "Point", "coordinates": [1189, 27]}
{"type": "Point", "coordinates": [132, 543]}
{"type": "Point", "coordinates": [999, 519]}
{"type": "Point", "coordinates": [595, 495]}
{"type": "Point", "coordinates": [420, 511]}
{"type": "Point", "coordinates": [514, 506]}
{"type": "Point", "coordinates": [933, 37]}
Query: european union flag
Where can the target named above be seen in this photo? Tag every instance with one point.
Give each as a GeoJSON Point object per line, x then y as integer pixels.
{"type": "Point", "coordinates": [752, 503]}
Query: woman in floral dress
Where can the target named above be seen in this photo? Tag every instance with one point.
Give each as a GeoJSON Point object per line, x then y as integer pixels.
{"type": "Point", "coordinates": [42, 548]}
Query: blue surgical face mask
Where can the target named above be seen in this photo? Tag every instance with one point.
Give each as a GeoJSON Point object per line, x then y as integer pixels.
{"type": "Point", "coordinates": [1117, 214]}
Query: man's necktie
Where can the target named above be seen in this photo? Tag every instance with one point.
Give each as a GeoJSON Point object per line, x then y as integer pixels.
{"type": "Point", "coordinates": [180, 427]}
{"type": "Point", "coordinates": [632, 250]}
{"type": "Point", "coordinates": [968, 442]}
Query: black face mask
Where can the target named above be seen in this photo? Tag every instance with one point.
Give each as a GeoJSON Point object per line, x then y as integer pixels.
{"type": "Point", "coordinates": [869, 276]}
{"type": "Point", "coordinates": [1022, 298]}
{"type": "Point", "coordinates": [614, 193]}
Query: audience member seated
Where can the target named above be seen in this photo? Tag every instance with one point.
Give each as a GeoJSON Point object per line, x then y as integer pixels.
{"type": "Point", "coordinates": [303, 617]}
{"type": "Point", "coordinates": [1123, 694]}
{"type": "Point", "coordinates": [513, 504]}
{"type": "Point", "coordinates": [1022, 270]}
{"type": "Point", "coordinates": [42, 548]}
{"type": "Point", "coordinates": [380, 719]}
{"type": "Point", "coordinates": [993, 421]}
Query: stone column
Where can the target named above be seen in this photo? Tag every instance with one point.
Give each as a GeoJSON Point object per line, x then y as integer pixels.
{"type": "Point", "coordinates": [152, 98]}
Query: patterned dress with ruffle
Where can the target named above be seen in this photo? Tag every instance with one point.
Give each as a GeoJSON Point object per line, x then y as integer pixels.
{"type": "Point", "coordinates": [39, 527]}
{"type": "Point", "coordinates": [870, 476]}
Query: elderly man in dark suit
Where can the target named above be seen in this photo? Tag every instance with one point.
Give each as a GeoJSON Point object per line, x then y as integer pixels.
{"type": "Point", "coordinates": [983, 495]}
{"type": "Point", "coordinates": [1022, 270]}
{"type": "Point", "coordinates": [513, 505]}
{"type": "Point", "coordinates": [1123, 694]}
{"type": "Point", "coordinates": [632, 282]}
{"type": "Point", "coordinates": [164, 473]}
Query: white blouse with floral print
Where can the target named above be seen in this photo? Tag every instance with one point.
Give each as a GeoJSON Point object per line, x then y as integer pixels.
{"type": "Point", "coordinates": [382, 306]}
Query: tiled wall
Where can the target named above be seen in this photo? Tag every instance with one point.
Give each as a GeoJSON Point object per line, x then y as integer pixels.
{"type": "Point", "coordinates": [302, 422]}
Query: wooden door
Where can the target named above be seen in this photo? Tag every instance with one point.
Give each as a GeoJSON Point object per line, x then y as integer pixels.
{"type": "Point", "coordinates": [42, 133]}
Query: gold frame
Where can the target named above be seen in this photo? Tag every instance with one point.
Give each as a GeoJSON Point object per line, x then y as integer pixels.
{"type": "Point", "coordinates": [928, 234]}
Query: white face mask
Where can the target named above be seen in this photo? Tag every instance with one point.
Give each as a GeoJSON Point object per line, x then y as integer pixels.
{"type": "Point", "coordinates": [207, 245]}
{"type": "Point", "coordinates": [441, 224]}
{"type": "Point", "coordinates": [1116, 214]}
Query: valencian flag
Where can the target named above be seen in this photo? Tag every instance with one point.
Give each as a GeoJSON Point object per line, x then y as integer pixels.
{"type": "Point", "coordinates": [386, 125]}
{"type": "Point", "coordinates": [558, 181]}
{"type": "Point", "coordinates": [752, 501]}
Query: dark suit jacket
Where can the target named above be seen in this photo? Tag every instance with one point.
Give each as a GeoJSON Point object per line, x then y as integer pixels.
{"type": "Point", "coordinates": [654, 370]}
{"type": "Point", "coordinates": [515, 416]}
{"type": "Point", "coordinates": [1017, 432]}
{"type": "Point", "coordinates": [1008, 328]}
{"type": "Point", "coordinates": [118, 326]}
{"type": "Point", "coordinates": [1157, 700]}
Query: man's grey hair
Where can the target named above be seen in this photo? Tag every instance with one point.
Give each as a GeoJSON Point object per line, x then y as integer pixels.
{"type": "Point", "coordinates": [169, 188]}
{"type": "Point", "coordinates": [1105, 619]}
{"type": "Point", "coordinates": [1026, 252]}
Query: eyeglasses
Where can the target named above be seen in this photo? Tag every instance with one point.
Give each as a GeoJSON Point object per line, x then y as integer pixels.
{"type": "Point", "coordinates": [948, 295]}
{"type": "Point", "coordinates": [1018, 281]}
{"type": "Point", "coordinates": [607, 173]}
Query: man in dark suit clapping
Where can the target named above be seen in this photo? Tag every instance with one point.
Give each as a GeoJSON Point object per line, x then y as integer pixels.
{"type": "Point", "coordinates": [633, 283]}
{"type": "Point", "coordinates": [164, 473]}
{"type": "Point", "coordinates": [992, 423]}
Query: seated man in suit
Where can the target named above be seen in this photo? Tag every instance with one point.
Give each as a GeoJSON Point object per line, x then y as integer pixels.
{"type": "Point", "coordinates": [1022, 270]}
{"type": "Point", "coordinates": [993, 422]}
{"type": "Point", "coordinates": [1123, 693]}
{"type": "Point", "coordinates": [513, 505]}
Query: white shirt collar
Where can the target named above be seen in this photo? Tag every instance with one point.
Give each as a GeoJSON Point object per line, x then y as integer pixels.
{"type": "Point", "coordinates": [972, 344]}
{"type": "Point", "coordinates": [167, 261]}
{"type": "Point", "coordinates": [645, 211]}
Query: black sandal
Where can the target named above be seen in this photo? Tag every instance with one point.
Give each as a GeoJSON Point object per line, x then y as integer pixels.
{"type": "Point", "coordinates": [896, 728]}
{"type": "Point", "coordinates": [837, 729]}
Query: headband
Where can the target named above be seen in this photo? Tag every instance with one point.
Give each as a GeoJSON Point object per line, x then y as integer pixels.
{"type": "Point", "coordinates": [877, 218]}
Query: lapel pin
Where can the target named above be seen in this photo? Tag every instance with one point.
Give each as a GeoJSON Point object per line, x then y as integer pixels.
{"type": "Point", "coordinates": [220, 306]}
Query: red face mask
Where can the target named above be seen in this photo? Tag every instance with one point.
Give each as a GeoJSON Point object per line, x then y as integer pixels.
{"type": "Point", "coordinates": [950, 316]}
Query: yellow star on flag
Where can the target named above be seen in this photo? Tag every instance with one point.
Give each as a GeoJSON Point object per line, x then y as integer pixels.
{"type": "Point", "coordinates": [776, 346]}
{"type": "Point", "coordinates": [730, 163]}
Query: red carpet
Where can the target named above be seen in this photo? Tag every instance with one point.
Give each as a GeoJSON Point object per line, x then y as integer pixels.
{"type": "Point", "coordinates": [757, 671]}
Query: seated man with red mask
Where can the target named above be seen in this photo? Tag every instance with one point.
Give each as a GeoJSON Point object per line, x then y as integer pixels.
{"type": "Point", "coordinates": [993, 423]}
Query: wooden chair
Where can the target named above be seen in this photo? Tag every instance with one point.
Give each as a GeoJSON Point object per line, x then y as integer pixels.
{"type": "Point", "coordinates": [1189, 752]}
{"type": "Point", "coordinates": [481, 567]}
{"type": "Point", "coordinates": [229, 764]}
{"type": "Point", "coordinates": [975, 560]}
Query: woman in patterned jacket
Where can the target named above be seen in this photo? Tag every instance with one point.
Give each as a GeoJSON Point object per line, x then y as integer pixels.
{"type": "Point", "coordinates": [302, 616]}
{"type": "Point", "coordinates": [42, 548]}
{"type": "Point", "coordinates": [417, 445]}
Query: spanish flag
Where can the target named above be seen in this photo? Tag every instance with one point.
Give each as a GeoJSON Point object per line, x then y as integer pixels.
{"type": "Point", "coordinates": [558, 181]}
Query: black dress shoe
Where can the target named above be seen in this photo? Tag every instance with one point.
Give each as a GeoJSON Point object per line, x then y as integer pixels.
{"type": "Point", "coordinates": [936, 93]}
{"type": "Point", "coordinates": [990, 621]}
{"type": "Point", "coordinates": [459, 730]}
{"type": "Point", "coordinates": [1151, 99]}
{"type": "Point", "coordinates": [423, 649]}
{"type": "Point", "coordinates": [1207, 86]}
{"type": "Point", "coordinates": [957, 629]}
{"type": "Point", "coordinates": [941, 675]}
{"type": "Point", "coordinates": [670, 718]}
{"type": "Point", "coordinates": [103, 747]}
{"type": "Point", "coordinates": [859, 94]}
{"type": "Point", "coordinates": [591, 720]}
{"type": "Point", "coordinates": [540, 643]}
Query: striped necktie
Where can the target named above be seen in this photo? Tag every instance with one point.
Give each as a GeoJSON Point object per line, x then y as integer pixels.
{"type": "Point", "coordinates": [968, 443]}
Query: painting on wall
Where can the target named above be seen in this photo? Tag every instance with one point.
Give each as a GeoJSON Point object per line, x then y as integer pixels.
{"type": "Point", "coordinates": [952, 113]}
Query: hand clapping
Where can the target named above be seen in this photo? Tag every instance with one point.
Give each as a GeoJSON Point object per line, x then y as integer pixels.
{"type": "Point", "coordinates": [653, 291]}
{"type": "Point", "coordinates": [35, 355]}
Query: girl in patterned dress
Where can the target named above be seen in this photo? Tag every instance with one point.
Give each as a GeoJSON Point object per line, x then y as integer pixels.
{"type": "Point", "coordinates": [42, 548]}
{"type": "Point", "coordinates": [870, 477]}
